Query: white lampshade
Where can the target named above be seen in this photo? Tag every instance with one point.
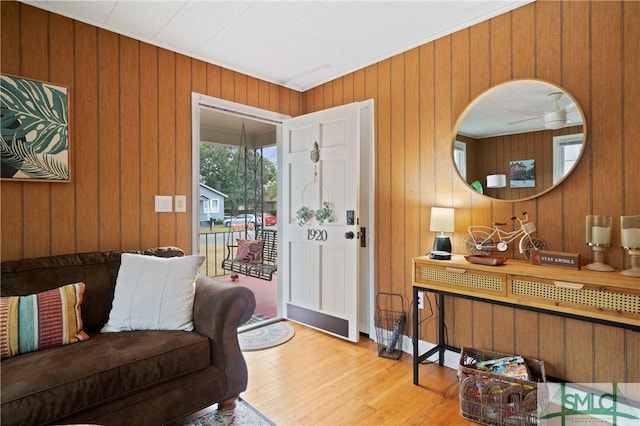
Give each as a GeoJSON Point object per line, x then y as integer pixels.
{"type": "Point", "coordinates": [496, 181]}
{"type": "Point", "coordinates": [442, 219]}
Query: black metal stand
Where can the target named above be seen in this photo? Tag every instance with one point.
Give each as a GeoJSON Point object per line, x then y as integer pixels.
{"type": "Point", "coordinates": [441, 347]}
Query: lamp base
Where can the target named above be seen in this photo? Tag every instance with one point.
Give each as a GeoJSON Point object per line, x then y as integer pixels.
{"type": "Point", "coordinates": [442, 243]}
{"type": "Point", "coordinates": [440, 255]}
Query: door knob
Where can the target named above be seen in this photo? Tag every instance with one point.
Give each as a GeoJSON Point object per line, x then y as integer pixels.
{"type": "Point", "coordinates": [349, 235]}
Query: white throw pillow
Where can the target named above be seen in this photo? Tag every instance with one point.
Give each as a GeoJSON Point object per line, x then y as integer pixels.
{"type": "Point", "coordinates": [154, 293]}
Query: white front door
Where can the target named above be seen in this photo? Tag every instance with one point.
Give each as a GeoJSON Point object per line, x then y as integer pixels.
{"type": "Point", "coordinates": [318, 265]}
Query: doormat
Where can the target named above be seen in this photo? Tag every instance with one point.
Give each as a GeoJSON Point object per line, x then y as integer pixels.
{"type": "Point", "coordinates": [265, 336]}
{"type": "Point", "coordinates": [243, 415]}
{"type": "Point", "coordinates": [256, 318]}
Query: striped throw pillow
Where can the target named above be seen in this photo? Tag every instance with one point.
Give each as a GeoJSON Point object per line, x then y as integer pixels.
{"type": "Point", "coordinates": [43, 320]}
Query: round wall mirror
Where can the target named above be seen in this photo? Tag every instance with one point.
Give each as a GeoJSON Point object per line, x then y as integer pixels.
{"type": "Point", "coordinates": [519, 139]}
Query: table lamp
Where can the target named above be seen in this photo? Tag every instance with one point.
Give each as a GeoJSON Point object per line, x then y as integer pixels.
{"type": "Point", "coordinates": [496, 181]}
{"type": "Point", "coordinates": [630, 234]}
{"type": "Point", "coordinates": [598, 234]}
{"type": "Point", "coordinates": [441, 221]}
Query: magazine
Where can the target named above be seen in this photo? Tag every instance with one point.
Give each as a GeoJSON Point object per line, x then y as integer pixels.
{"type": "Point", "coordinates": [512, 366]}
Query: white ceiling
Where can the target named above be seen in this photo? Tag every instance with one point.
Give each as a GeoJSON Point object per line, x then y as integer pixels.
{"type": "Point", "coordinates": [296, 44]}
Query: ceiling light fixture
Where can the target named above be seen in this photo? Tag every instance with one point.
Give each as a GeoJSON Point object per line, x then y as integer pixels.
{"type": "Point", "coordinates": [556, 118]}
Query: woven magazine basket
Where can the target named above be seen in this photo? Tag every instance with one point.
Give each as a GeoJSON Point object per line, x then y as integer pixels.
{"type": "Point", "coordinates": [494, 399]}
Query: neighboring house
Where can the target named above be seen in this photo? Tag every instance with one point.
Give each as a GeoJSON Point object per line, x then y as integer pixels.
{"type": "Point", "coordinates": [211, 205]}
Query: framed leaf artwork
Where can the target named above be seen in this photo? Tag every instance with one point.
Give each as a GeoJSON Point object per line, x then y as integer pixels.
{"type": "Point", "coordinates": [34, 139]}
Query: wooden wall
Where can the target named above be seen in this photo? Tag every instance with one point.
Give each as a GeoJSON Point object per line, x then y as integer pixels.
{"type": "Point", "coordinates": [131, 139]}
{"type": "Point", "coordinates": [590, 49]}
{"type": "Point", "coordinates": [492, 155]}
{"type": "Point", "coordinates": [130, 135]}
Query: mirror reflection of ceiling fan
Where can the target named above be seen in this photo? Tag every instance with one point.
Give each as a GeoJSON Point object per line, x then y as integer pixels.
{"type": "Point", "coordinates": [554, 118]}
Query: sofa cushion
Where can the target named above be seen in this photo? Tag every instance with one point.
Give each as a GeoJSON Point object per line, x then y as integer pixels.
{"type": "Point", "coordinates": [54, 383]}
{"type": "Point", "coordinates": [154, 293]}
{"type": "Point", "coordinates": [42, 320]}
{"type": "Point", "coordinates": [98, 270]}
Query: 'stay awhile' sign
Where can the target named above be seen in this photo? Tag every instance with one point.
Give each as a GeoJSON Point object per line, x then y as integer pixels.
{"type": "Point", "coordinates": [555, 258]}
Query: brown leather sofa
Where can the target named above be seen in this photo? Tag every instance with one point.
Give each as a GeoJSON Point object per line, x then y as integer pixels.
{"type": "Point", "coordinates": [126, 378]}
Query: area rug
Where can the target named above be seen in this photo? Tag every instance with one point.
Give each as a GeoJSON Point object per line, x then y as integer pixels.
{"type": "Point", "coordinates": [265, 336]}
{"type": "Point", "coordinates": [255, 321]}
{"type": "Point", "coordinates": [243, 415]}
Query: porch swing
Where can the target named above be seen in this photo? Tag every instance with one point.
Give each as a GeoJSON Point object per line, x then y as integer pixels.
{"type": "Point", "coordinates": [257, 256]}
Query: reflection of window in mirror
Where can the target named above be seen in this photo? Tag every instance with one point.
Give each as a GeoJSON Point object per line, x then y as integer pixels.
{"type": "Point", "coordinates": [460, 158]}
{"type": "Point", "coordinates": [566, 150]}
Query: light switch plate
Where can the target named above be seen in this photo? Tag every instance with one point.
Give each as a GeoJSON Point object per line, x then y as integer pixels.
{"type": "Point", "coordinates": [164, 203]}
{"type": "Point", "coordinates": [181, 203]}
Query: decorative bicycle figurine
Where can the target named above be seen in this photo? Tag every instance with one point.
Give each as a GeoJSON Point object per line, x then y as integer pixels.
{"type": "Point", "coordinates": [486, 240]}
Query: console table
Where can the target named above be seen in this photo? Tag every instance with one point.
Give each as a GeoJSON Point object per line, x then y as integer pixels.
{"type": "Point", "coordinates": [602, 297]}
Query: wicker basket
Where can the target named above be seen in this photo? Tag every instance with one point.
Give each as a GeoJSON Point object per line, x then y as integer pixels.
{"type": "Point", "coordinates": [494, 399]}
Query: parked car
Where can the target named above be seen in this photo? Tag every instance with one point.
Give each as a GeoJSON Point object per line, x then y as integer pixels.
{"type": "Point", "coordinates": [225, 219]}
{"type": "Point", "coordinates": [269, 219]}
{"type": "Point", "coordinates": [244, 218]}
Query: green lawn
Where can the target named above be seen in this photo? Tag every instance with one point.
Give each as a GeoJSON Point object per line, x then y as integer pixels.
{"type": "Point", "coordinates": [214, 247]}
{"type": "Point", "coordinates": [216, 228]}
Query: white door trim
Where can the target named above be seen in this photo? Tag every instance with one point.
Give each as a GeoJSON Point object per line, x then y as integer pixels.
{"type": "Point", "coordinates": [367, 152]}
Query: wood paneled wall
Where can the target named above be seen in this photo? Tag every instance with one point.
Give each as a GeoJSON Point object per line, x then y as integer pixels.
{"type": "Point", "coordinates": [492, 155]}
{"type": "Point", "coordinates": [131, 139]}
{"type": "Point", "coordinates": [130, 135]}
{"type": "Point", "coordinates": [590, 49]}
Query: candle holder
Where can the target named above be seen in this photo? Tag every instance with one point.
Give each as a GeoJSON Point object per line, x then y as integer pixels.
{"type": "Point", "coordinates": [630, 234]}
{"type": "Point", "coordinates": [598, 234]}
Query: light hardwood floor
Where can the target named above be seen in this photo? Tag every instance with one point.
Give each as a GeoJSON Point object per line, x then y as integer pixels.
{"type": "Point", "coordinates": [316, 379]}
